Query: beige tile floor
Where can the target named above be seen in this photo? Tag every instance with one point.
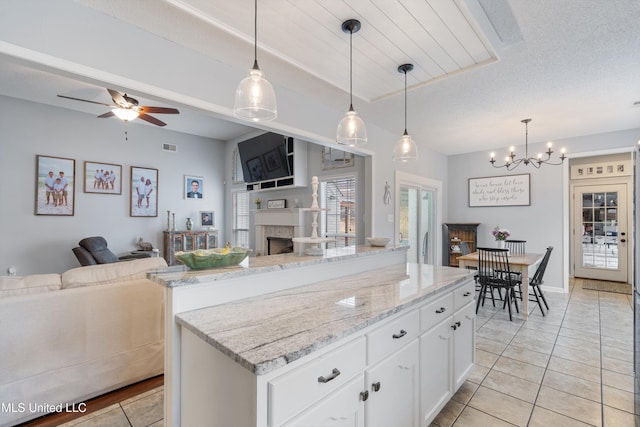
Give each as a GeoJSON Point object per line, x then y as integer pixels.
{"type": "Point", "coordinates": [573, 367]}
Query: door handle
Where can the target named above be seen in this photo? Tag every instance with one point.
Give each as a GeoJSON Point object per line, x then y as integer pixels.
{"type": "Point", "coordinates": [333, 375]}
{"type": "Point", "coordinates": [400, 335]}
{"type": "Point", "coordinates": [623, 240]}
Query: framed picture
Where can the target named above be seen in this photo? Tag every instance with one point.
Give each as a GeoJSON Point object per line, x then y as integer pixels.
{"type": "Point", "coordinates": [508, 190]}
{"type": "Point", "coordinates": [144, 191]}
{"type": "Point", "coordinates": [272, 161]}
{"type": "Point", "coordinates": [102, 178]}
{"type": "Point", "coordinates": [206, 219]}
{"type": "Point", "coordinates": [193, 187]}
{"type": "Point", "coordinates": [276, 204]}
{"type": "Point", "coordinates": [55, 185]}
{"type": "Point", "coordinates": [255, 169]}
{"type": "Point", "coordinates": [332, 158]}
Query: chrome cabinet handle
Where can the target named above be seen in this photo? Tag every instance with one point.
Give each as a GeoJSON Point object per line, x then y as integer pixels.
{"type": "Point", "coordinates": [364, 395]}
{"type": "Point", "coordinates": [333, 375]}
{"type": "Point", "coordinates": [442, 310]}
{"type": "Point", "coordinates": [376, 386]}
{"type": "Point", "coordinates": [400, 335]}
{"type": "Point", "coordinates": [466, 294]}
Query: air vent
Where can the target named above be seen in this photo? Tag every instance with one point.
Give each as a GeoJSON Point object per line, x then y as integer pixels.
{"type": "Point", "coordinates": [169, 147]}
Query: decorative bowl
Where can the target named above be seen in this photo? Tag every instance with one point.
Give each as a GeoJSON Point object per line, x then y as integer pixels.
{"type": "Point", "coordinates": [212, 258]}
{"type": "Point", "coordinates": [378, 241]}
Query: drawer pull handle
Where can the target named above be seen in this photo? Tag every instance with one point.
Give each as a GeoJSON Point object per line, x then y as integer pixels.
{"type": "Point", "coordinates": [376, 386]}
{"type": "Point", "coordinates": [442, 310]}
{"type": "Point", "coordinates": [466, 294]}
{"type": "Point", "coordinates": [400, 335]}
{"type": "Point", "coordinates": [333, 375]}
{"type": "Point", "coordinates": [364, 395]}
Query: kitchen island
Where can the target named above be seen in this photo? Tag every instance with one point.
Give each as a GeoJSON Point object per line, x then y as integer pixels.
{"type": "Point", "coordinates": [186, 290]}
{"type": "Point", "coordinates": [381, 345]}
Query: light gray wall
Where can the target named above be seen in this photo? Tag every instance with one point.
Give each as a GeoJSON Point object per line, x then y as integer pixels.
{"type": "Point", "coordinates": [540, 224]}
{"type": "Point", "coordinates": [42, 244]}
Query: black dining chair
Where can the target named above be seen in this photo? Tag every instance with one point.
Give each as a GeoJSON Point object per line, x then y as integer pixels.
{"type": "Point", "coordinates": [536, 281]}
{"type": "Point", "coordinates": [516, 247]}
{"type": "Point", "coordinates": [494, 274]}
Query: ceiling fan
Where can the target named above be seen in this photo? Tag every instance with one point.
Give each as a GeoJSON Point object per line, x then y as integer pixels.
{"type": "Point", "coordinates": [126, 108]}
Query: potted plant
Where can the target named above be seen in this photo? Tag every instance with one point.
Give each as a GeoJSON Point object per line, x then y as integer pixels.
{"type": "Point", "coordinates": [500, 235]}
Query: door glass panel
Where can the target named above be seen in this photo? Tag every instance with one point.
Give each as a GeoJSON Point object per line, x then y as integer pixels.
{"type": "Point", "coordinates": [600, 230]}
{"type": "Point", "coordinates": [408, 221]}
{"type": "Point", "coordinates": [416, 224]}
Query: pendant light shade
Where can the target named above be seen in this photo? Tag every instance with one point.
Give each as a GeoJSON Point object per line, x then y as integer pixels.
{"type": "Point", "coordinates": [405, 148]}
{"type": "Point", "coordinates": [255, 98]}
{"type": "Point", "coordinates": [351, 130]}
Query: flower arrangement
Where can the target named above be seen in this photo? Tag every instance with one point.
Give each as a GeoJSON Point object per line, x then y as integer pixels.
{"type": "Point", "coordinates": [257, 201]}
{"type": "Point", "coordinates": [500, 233]}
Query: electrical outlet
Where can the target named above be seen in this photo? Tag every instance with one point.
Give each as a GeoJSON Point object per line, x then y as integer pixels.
{"type": "Point", "coordinates": [12, 271]}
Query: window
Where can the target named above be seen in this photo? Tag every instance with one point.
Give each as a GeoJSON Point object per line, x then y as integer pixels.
{"type": "Point", "coordinates": [240, 227]}
{"type": "Point", "coordinates": [338, 195]}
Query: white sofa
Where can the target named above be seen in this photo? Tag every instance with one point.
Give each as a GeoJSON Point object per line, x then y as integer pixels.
{"type": "Point", "coordinates": [68, 337]}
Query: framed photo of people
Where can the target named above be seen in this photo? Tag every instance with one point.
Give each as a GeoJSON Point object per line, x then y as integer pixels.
{"type": "Point", "coordinates": [55, 185]}
{"type": "Point", "coordinates": [206, 219]}
{"type": "Point", "coordinates": [144, 191]}
{"type": "Point", "coordinates": [102, 178]}
{"type": "Point", "coordinates": [193, 187]}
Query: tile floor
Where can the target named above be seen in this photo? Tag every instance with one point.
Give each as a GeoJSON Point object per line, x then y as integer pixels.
{"type": "Point", "coordinates": [573, 367]}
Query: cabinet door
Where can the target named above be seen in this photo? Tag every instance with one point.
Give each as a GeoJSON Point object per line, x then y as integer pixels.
{"type": "Point", "coordinates": [464, 343]}
{"type": "Point", "coordinates": [393, 389]}
{"type": "Point", "coordinates": [436, 370]}
{"type": "Point", "coordinates": [343, 408]}
{"type": "Point", "coordinates": [212, 240]}
{"type": "Point", "coordinates": [201, 241]}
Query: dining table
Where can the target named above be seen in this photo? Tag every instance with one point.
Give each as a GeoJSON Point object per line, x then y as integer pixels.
{"type": "Point", "coordinates": [525, 264]}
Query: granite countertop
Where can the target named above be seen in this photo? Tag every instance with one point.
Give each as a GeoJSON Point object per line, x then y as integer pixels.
{"type": "Point", "coordinates": [182, 276]}
{"type": "Point", "coordinates": [267, 332]}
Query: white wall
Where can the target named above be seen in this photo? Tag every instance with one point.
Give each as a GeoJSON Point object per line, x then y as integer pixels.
{"type": "Point", "coordinates": [540, 224]}
{"type": "Point", "coordinates": [42, 244]}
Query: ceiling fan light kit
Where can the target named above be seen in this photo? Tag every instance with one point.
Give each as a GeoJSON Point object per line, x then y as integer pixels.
{"type": "Point", "coordinates": [405, 148]}
{"type": "Point", "coordinates": [125, 114]}
{"type": "Point", "coordinates": [510, 161]}
{"type": "Point", "coordinates": [351, 130]}
{"type": "Point", "coordinates": [255, 98]}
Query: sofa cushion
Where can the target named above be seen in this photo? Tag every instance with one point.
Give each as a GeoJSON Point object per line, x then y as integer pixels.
{"type": "Point", "coordinates": [32, 284]}
{"type": "Point", "coordinates": [110, 273]}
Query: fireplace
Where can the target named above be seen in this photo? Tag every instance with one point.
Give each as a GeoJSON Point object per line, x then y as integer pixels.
{"type": "Point", "coordinates": [279, 245]}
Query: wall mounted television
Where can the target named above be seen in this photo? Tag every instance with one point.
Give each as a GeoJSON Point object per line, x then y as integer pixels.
{"type": "Point", "coordinates": [265, 158]}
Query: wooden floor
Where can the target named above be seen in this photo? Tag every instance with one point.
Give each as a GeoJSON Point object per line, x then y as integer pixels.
{"type": "Point", "coordinates": [97, 403]}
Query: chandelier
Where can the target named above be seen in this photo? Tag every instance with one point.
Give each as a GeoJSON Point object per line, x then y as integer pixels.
{"type": "Point", "coordinates": [510, 161]}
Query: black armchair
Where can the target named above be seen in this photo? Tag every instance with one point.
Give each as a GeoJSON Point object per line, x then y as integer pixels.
{"type": "Point", "coordinates": [94, 250]}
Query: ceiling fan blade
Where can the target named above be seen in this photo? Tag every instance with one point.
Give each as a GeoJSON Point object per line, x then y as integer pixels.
{"type": "Point", "coordinates": [118, 98]}
{"type": "Point", "coordinates": [158, 110]}
{"type": "Point", "coordinates": [151, 119]}
{"type": "Point", "coordinates": [106, 115]}
{"type": "Point", "coordinates": [86, 100]}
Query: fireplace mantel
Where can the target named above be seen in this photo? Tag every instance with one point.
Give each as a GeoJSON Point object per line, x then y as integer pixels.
{"type": "Point", "coordinates": [288, 221]}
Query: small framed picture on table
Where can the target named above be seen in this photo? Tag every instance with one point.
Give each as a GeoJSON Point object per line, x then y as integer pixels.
{"type": "Point", "coordinates": [206, 219]}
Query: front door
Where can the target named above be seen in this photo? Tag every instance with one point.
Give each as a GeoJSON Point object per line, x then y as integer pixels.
{"type": "Point", "coordinates": [601, 234]}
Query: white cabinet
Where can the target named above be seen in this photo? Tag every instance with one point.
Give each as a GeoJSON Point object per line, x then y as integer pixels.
{"type": "Point", "coordinates": [393, 389]}
{"type": "Point", "coordinates": [436, 370]}
{"type": "Point", "coordinates": [342, 408]}
{"type": "Point", "coordinates": [464, 343]}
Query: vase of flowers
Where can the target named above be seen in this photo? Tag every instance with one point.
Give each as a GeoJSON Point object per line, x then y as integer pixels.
{"type": "Point", "coordinates": [500, 235]}
{"type": "Point", "coordinates": [258, 202]}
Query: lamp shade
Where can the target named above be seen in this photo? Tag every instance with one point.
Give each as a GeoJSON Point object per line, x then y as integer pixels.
{"type": "Point", "coordinates": [125, 114]}
{"type": "Point", "coordinates": [405, 149]}
{"type": "Point", "coordinates": [351, 130]}
{"type": "Point", "coordinates": [255, 98]}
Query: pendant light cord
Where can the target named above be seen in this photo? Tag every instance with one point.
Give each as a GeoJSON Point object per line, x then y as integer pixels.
{"type": "Point", "coordinates": [405, 102]}
{"type": "Point", "coordinates": [351, 70]}
{"type": "Point", "coordinates": [255, 36]}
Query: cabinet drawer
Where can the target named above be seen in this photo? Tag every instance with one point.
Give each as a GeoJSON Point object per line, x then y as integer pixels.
{"type": "Point", "coordinates": [435, 312]}
{"type": "Point", "coordinates": [392, 336]}
{"type": "Point", "coordinates": [292, 392]}
{"type": "Point", "coordinates": [464, 295]}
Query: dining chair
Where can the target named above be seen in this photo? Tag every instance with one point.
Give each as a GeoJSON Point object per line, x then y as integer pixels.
{"type": "Point", "coordinates": [465, 250]}
{"type": "Point", "coordinates": [516, 247]}
{"type": "Point", "coordinates": [494, 274]}
{"type": "Point", "coordinates": [536, 281]}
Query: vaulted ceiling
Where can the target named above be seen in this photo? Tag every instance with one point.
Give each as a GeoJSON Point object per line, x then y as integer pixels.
{"type": "Point", "coordinates": [480, 65]}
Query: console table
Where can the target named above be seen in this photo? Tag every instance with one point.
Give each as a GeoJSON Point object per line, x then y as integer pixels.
{"type": "Point", "coordinates": [176, 240]}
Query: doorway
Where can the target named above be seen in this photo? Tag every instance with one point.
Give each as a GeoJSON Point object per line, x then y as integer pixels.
{"type": "Point", "coordinates": [601, 249]}
{"type": "Point", "coordinates": [418, 213]}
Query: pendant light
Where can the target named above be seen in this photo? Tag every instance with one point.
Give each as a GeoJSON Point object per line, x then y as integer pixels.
{"type": "Point", "coordinates": [405, 148]}
{"type": "Point", "coordinates": [351, 130]}
{"type": "Point", "coordinates": [255, 98]}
